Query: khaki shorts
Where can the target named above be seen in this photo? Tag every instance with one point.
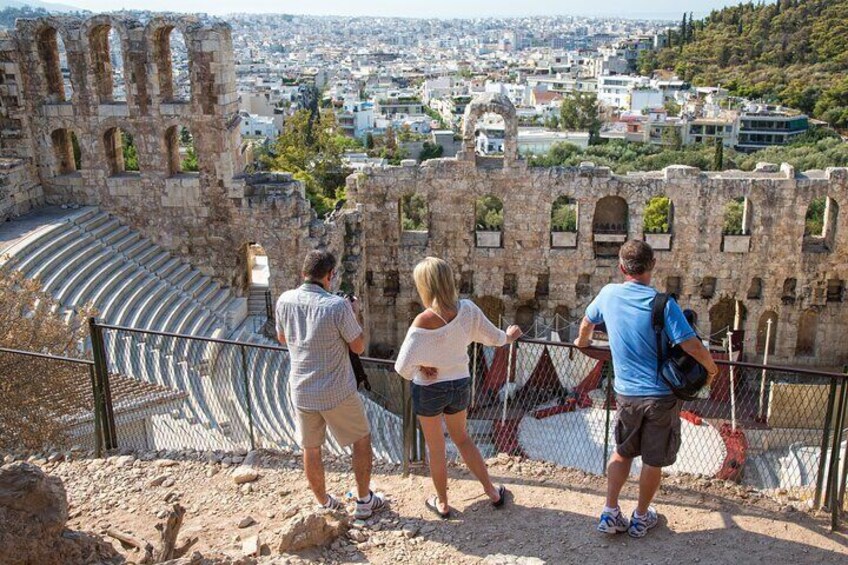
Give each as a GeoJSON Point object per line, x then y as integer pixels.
{"type": "Point", "coordinates": [649, 427]}
{"type": "Point", "coordinates": [347, 423]}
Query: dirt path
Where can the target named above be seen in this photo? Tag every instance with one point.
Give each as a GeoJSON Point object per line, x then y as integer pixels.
{"type": "Point", "coordinates": [551, 517]}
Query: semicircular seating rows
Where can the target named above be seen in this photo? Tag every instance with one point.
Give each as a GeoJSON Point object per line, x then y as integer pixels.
{"type": "Point", "coordinates": [88, 257]}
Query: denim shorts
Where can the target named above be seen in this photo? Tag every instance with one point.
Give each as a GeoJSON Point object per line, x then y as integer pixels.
{"type": "Point", "coordinates": [448, 397]}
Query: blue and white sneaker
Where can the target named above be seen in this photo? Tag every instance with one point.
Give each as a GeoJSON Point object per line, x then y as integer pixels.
{"type": "Point", "coordinates": [639, 525]}
{"type": "Point", "coordinates": [613, 523]}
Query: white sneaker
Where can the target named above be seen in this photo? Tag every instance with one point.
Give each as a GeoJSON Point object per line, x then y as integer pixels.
{"type": "Point", "coordinates": [613, 523]}
{"type": "Point", "coordinates": [365, 509]}
{"type": "Point", "coordinates": [639, 525]}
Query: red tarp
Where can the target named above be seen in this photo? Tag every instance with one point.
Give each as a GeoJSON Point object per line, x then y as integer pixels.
{"type": "Point", "coordinates": [737, 450]}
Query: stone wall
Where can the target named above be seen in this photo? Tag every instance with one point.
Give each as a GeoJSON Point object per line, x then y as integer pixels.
{"type": "Point", "coordinates": [526, 276]}
{"type": "Point", "coordinates": [207, 216]}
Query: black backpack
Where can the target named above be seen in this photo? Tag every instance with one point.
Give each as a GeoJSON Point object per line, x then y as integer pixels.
{"type": "Point", "coordinates": [679, 370]}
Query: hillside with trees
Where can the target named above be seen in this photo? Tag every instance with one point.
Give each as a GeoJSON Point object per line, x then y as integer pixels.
{"type": "Point", "coordinates": [792, 52]}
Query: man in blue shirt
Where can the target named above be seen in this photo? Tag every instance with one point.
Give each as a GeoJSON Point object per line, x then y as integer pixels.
{"type": "Point", "coordinates": [648, 419]}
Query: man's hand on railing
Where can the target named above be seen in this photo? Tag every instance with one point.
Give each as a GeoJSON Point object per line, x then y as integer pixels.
{"type": "Point", "coordinates": [582, 342]}
{"type": "Point", "coordinates": [513, 333]}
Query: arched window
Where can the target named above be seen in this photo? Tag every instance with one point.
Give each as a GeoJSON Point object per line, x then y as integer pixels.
{"type": "Point", "coordinates": [820, 225]}
{"type": "Point", "coordinates": [414, 219]}
{"type": "Point", "coordinates": [121, 153]}
{"type": "Point", "coordinates": [763, 332]}
{"type": "Point", "coordinates": [610, 225]}
{"type": "Point", "coordinates": [489, 135]}
{"type": "Point", "coordinates": [182, 156]}
{"type": "Point", "coordinates": [723, 317]}
{"type": "Point", "coordinates": [564, 223]}
{"type": "Point", "coordinates": [736, 226]}
{"type": "Point", "coordinates": [107, 57]}
{"type": "Point", "coordinates": [172, 64]}
{"type": "Point", "coordinates": [808, 327]}
{"type": "Point", "coordinates": [489, 221]}
{"type": "Point", "coordinates": [66, 151]}
{"type": "Point", "coordinates": [258, 278]}
{"type": "Point", "coordinates": [54, 62]}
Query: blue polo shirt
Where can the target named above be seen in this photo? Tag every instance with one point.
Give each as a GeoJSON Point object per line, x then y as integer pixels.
{"type": "Point", "coordinates": [625, 309]}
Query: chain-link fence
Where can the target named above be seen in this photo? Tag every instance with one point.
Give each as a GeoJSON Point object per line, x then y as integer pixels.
{"type": "Point", "coordinates": [771, 428]}
{"type": "Point", "coordinates": [775, 429]}
{"type": "Point", "coordinates": [179, 392]}
{"type": "Point", "coordinates": [47, 401]}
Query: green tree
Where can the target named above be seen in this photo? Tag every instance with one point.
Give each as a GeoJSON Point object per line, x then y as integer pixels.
{"type": "Point", "coordinates": [414, 215]}
{"type": "Point", "coordinates": [657, 215]}
{"type": "Point", "coordinates": [580, 112]}
{"type": "Point", "coordinates": [430, 151]}
{"type": "Point", "coordinates": [733, 215]}
{"type": "Point", "coordinates": [718, 157]}
{"type": "Point", "coordinates": [814, 219]}
{"type": "Point", "coordinates": [672, 138]}
{"type": "Point", "coordinates": [310, 147]}
{"type": "Point", "coordinates": [129, 151]}
{"type": "Point", "coordinates": [189, 164]}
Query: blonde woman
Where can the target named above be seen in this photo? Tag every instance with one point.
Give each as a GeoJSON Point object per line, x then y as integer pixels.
{"type": "Point", "coordinates": [434, 356]}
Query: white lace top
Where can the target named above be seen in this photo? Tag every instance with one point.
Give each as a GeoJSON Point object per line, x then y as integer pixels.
{"type": "Point", "coordinates": [446, 348]}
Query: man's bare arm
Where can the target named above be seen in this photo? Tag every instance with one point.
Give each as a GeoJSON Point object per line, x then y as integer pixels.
{"type": "Point", "coordinates": [358, 344]}
{"type": "Point", "coordinates": [701, 354]}
{"type": "Point", "coordinates": [584, 338]}
{"type": "Point", "coordinates": [281, 337]}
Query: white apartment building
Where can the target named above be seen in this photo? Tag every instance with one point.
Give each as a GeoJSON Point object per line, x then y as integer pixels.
{"type": "Point", "coordinates": [253, 125]}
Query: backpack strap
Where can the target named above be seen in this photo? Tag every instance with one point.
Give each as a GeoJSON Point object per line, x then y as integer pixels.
{"type": "Point", "coordinates": [658, 325]}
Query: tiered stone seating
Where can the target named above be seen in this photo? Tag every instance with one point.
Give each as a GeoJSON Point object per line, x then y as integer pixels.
{"type": "Point", "coordinates": [91, 257]}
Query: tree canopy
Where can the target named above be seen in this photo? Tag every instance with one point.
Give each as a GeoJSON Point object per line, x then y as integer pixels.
{"type": "Point", "coordinates": [793, 52]}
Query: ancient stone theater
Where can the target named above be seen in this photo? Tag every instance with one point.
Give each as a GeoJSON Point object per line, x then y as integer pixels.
{"type": "Point", "coordinates": [197, 235]}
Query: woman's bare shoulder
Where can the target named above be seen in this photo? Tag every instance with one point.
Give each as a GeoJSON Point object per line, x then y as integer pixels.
{"type": "Point", "coordinates": [427, 320]}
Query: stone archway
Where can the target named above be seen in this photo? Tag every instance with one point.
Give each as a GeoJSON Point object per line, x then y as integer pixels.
{"type": "Point", "coordinates": [490, 103]}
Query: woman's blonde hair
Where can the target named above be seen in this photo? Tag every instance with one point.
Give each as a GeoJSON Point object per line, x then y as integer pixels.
{"type": "Point", "coordinates": [434, 280]}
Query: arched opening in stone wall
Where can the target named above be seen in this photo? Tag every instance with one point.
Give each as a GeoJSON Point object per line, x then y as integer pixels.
{"type": "Point", "coordinates": [54, 62]}
{"type": "Point", "coordinates": [107, 58]}
{"type": "Point", "coordinates": [564, 322]}
{"type": "Point", "coordinates": [66, 151]}
{"type": "Point", "coordinates": [820, 225]}
{"type": "Point", "coordinates": [492, 307]}
{"type": "Point", "coordinates": [763, 332]}
{"type": "Point", "coordinates": [489, 221]}
{"type": "Point", "coordinates": [789, 286]}
{"type": "Point", "coordinates": [121, 153]}
{"type": "Point", "coordinates": [414, 216]}
{"type": "Point", "coordinates": [489, 135]}
{"type": "Point", "coordinates": [610, 225]}
{"type": "Point", "coordinates": [525, 318]}
{"type": "Point", "coordinates": [736, 226]}
{"type": "Point", "coordinates": [723, 317]}
{"type": "Point", "coordinates": [182, 156]}
{"type": "Point", "coordinates": [808, 327]}
{"type": "Point", "coordinates": [564, 217]}
{"type": "Point", "coordinates": [172, 64]}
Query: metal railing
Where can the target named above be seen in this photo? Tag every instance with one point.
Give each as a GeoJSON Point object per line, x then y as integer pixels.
{"type": "Point", "coordinates": [780, 430]}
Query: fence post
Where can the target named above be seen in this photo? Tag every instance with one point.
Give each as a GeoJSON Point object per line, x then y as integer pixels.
{"type": "Point", "coordinates": [832, 492]}
{"type": "Point", "coordinates": [95, 409]}
{"type": "Point", "coordinates": [608, 380]}
{"type": "Point", "coordinates": [510, 377]}
{"type": "Point", "coordinates": [248, 406]}
{"type": "Point", "coordinates": [828, 420]}
{"type": "Point", "coordinates": [103, 394]}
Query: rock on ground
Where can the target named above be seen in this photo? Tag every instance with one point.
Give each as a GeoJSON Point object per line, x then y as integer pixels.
{"type": "Point", "coordinates": [311, 529]}
{"type": "Point", "coordinates": [33, 514]}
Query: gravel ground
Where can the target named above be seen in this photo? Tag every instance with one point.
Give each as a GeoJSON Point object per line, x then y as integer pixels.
{"type": "Point", "coordinates": [550, 517]}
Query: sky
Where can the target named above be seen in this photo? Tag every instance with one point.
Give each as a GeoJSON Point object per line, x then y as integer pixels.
{"type": "Point", "coordinates": [421, 8]}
